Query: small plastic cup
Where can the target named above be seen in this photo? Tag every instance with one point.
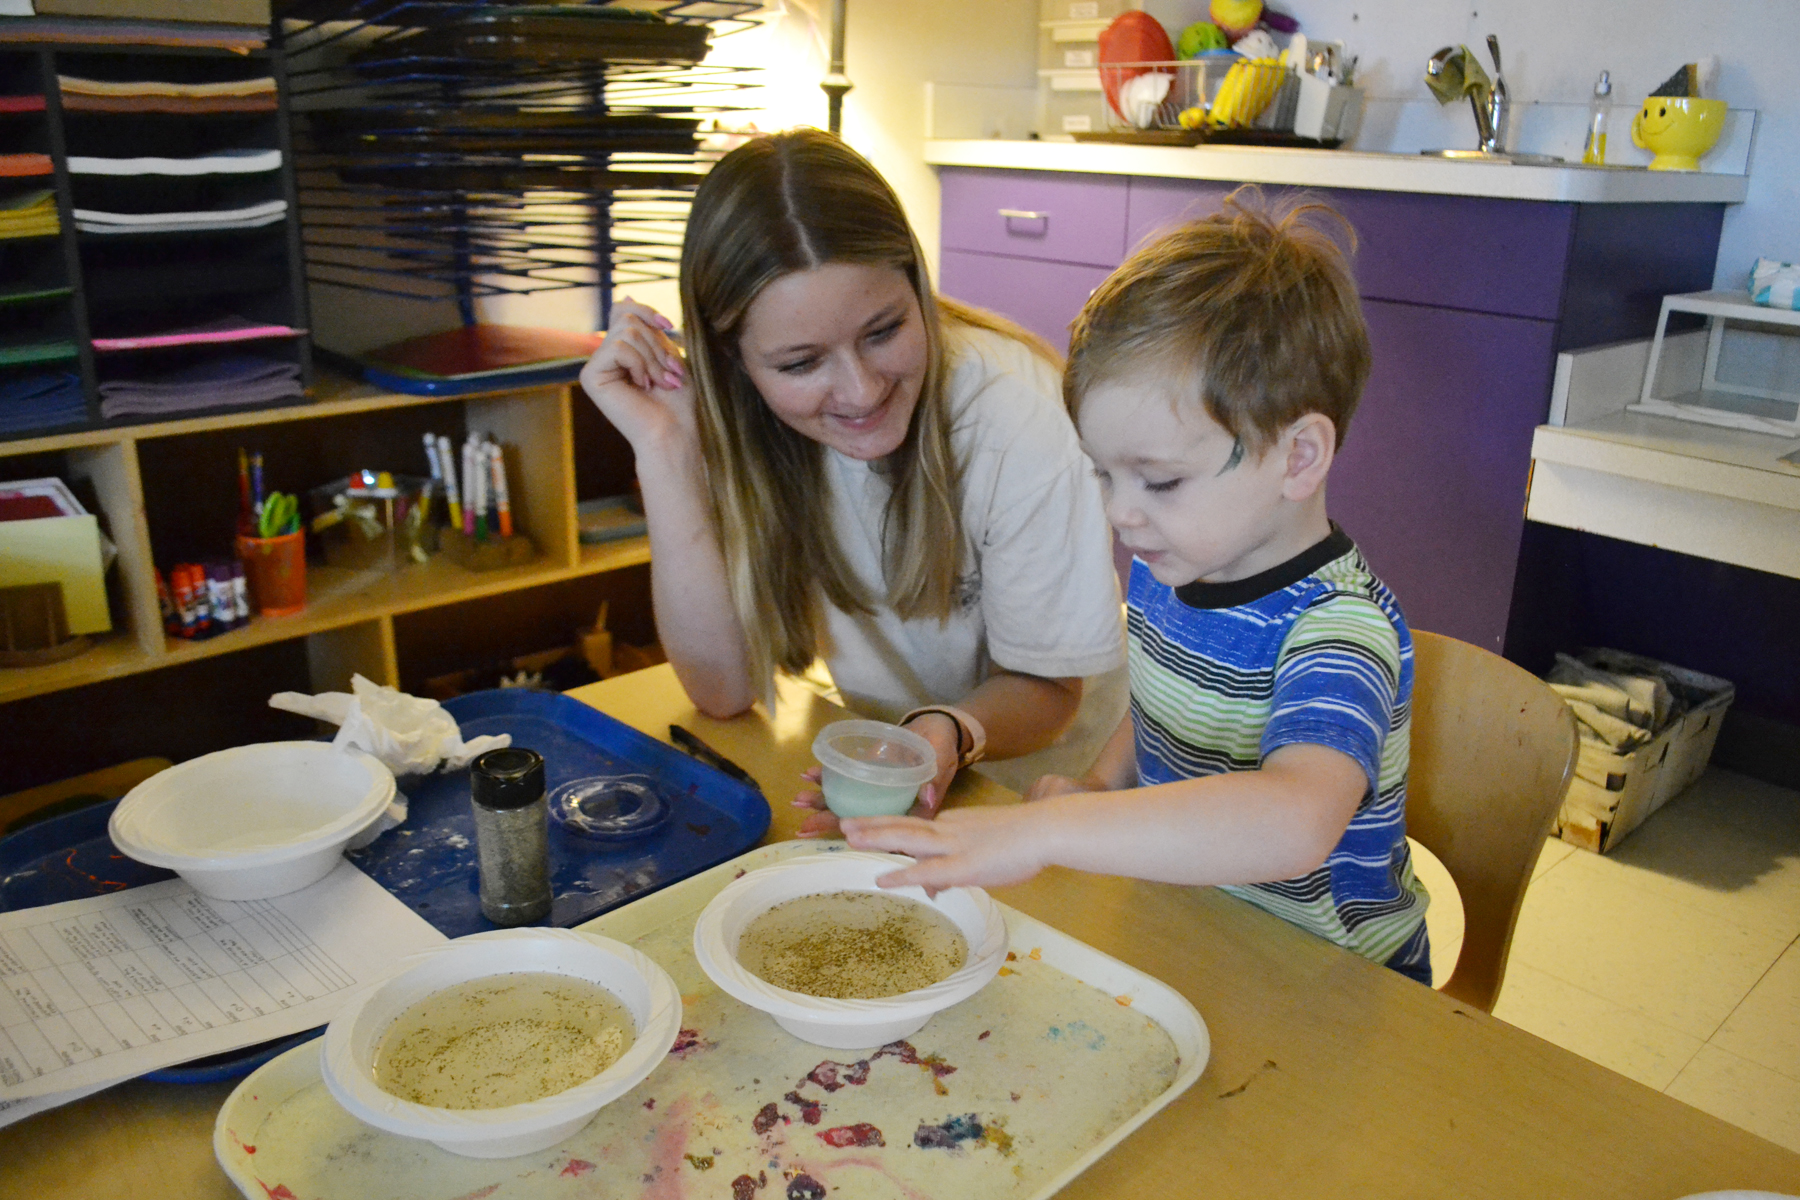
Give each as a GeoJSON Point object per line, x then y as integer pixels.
{"type": "Point", "coordinates": [871, 768]}
{"type": "Point", "coordinates": [276, 570]}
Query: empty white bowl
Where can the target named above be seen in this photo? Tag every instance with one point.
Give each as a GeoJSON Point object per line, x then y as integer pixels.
{"type": "Point", "coordinates": [347, 1061]}
{"type": "Point", "coordinates": [872, 768]}
{"type": "Point", "coordinates": [253, 821]}
{"type": "Point", "coordinates": [844, 1024]}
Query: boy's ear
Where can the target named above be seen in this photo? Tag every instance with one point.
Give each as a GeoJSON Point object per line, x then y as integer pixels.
{"type": "Point", "coordinates": [1311, 444]}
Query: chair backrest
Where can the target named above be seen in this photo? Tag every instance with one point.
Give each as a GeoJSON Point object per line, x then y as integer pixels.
{"type": "Point", "coordinates": [1493, 749]}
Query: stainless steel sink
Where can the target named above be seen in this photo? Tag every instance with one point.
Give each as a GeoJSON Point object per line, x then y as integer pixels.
{"type": "Point", "coordinates": [1495, 156]}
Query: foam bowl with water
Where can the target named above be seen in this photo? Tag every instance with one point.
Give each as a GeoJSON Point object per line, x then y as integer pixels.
{"type": "Point", "coordinates": [354, 1037]}
{"type": "Point", "coordinates": [833, 1023]}
{"type": "Point", "coordinates": [253, 821]}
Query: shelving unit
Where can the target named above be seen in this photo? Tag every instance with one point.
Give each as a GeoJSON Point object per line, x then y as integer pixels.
{"type": "Point", "coordinates": [108, 271]}
{"type": "Point", "coordinates": [348, 622]}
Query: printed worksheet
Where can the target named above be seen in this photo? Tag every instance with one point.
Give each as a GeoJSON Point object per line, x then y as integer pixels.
{"type": "Point", "coordinates": [99, 990]}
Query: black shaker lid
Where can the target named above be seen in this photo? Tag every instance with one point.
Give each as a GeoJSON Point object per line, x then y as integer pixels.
{"type": "Point", "coordinates": [508, 778]}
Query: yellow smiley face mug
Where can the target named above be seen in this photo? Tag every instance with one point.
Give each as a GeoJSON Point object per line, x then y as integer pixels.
{"type": "Point", "coordinates": [1678, 130]}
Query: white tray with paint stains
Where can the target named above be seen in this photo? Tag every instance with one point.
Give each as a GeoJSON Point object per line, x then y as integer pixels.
{"type": "Point", "coordinates": [1011, 1093]}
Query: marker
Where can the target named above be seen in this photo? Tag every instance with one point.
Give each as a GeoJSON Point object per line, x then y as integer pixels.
{"type": "Point", "coordinates": [502, 500]}
{"type": "Point", "coordinates": [470, 490]}
{"type": "Point", "coordinates": [256, 473]}
{"type": "Point", "coordinates": [451, 495]}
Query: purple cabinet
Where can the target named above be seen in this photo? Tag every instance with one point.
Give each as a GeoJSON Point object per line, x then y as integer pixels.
{"type": "Point", "coordinates": [1498, 256]}
{"type": "Point", "coordinates": [1431, 478]}
{"type": "Point", "coordinates": [1036, 214]}
{"type": "Point", "coordinates": [1042, 296]}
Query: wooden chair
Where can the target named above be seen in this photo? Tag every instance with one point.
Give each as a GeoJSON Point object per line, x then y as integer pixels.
{"type": "Point", "coordinates": [1493, 749]}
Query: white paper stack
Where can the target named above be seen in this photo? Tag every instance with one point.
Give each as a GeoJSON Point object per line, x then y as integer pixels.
{"type": "Point", "coordinates": [252, 216]}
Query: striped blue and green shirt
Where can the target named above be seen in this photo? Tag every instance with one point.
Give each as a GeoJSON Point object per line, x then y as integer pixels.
{"type": "Point", "coordinates": [1313, 651]}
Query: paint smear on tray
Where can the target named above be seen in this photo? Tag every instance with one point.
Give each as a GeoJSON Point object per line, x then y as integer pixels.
{"type": "Point", "coordinates": [668, 1153]}
{"type": "Point", "coordinates": [955, 1131]}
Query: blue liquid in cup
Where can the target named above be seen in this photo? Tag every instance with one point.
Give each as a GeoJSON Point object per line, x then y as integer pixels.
{"type": "Point", "coordinates": [853, 798]}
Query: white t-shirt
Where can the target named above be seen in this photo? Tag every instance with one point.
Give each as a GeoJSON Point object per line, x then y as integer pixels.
{"type": "Point", "coordinates": [1037, 592]}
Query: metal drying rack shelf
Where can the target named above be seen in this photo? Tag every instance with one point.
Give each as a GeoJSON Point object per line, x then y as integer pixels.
{"type": "Point", "coordinates": [466, 149]}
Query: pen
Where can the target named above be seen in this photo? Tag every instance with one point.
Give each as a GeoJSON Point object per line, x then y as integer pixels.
{"type": "Point", "coordinates": [452, 496]}
{"type": "Point", "coordinates": [502, 501]}
{"type": "Point", "coordinates": [690, 741]}
{"type": "Point", "coordinates": [256, 474]}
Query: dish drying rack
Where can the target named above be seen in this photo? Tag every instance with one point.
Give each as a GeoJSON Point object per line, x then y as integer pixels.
{"type": "Point", "coordinates": [453, 149]}
{"type": "Point", "coordinates": [1225, 99]}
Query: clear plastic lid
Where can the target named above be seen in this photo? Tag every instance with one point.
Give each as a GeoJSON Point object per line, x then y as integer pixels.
{"type": "Point", "coordinates": [876, 752]}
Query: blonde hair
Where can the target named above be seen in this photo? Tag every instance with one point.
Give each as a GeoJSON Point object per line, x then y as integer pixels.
{"type": "Point", "coordinates": [1256, 302]}
{"type": "Point", "coordinates": [790, 202]}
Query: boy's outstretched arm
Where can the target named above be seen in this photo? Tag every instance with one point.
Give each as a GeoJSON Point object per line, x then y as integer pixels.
{"type": "Point", "coordinates": [1278, 822]}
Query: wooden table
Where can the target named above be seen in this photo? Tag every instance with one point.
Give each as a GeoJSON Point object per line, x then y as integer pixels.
{"type": "Point", "coordinates": [1329, 1076]}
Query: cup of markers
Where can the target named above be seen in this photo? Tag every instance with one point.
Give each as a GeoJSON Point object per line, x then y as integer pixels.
{"type": "Point", "coordinates": [273, 552]}
{"type": "Point", "coordinates": [478, 498]}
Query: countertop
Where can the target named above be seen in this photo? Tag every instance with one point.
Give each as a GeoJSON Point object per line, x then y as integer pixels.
{"type": "Point", "coordinates": [1350, 169]}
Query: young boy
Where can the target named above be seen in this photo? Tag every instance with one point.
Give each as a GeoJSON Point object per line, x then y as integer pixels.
{"type": "Point", "coordinates": [1212, 378]}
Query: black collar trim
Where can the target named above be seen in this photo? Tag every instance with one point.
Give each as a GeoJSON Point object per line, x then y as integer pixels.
{"type": "Point", "coordinates": [1333, 546]}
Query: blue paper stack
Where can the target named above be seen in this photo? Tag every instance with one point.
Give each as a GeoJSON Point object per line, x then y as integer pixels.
{"type": "Point", "coordinates": [47, 400]}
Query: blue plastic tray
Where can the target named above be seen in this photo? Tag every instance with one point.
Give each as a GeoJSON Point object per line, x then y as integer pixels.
{"type": "Point", "coordinates": [429, 863]}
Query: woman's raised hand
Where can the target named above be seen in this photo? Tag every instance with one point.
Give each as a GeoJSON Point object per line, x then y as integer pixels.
{"type": "Point", "coordinates": [638, 377]}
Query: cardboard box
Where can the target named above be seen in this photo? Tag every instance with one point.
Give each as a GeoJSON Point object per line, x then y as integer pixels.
{"type": "Point", "coordinates": [1612, 794]}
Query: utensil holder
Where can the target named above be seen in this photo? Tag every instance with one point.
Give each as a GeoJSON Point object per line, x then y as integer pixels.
{"type": "Point", "coordinates": [488, 554]}
{"type": "Point", "coordinates": [276, 570]}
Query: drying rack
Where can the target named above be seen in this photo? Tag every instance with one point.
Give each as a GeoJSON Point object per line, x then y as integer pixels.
{"type": "Point", "coordinates": [453, 149]}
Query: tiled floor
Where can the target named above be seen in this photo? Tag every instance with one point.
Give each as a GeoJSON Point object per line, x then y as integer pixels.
{"type": "Point", "coordinates": [1675, 960]}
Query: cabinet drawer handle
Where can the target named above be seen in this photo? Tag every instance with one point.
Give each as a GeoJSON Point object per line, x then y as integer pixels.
{"type": "Point", "coordinates": [1023, 214]}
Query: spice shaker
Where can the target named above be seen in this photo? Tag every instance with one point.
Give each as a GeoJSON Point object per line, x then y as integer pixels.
{"type": "Point", "coordinates": [512, 840]}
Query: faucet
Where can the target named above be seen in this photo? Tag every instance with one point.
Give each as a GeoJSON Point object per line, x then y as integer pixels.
{"type": "Point", "coordinates": [1454, 71]}
{"type": "Point", "coordinates": [1493, 139]}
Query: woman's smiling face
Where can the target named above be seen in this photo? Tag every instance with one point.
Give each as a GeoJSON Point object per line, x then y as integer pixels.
{"type": "Point", "coordinates": [838, 353]}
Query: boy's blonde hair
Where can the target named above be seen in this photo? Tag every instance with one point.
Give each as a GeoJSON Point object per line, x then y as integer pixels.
{"type": "Point", "coordinates": [1255, 304]}
{"type": "Point", "coordinates": [790, 202]}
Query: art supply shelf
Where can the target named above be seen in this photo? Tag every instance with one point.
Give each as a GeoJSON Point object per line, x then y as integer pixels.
{"type": "Point", "coordinates": [157, 482]}
{"type": "Point", "coordinates": [170, 207]}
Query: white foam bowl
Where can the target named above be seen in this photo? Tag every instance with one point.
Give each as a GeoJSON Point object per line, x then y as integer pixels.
{"type": "Point", "coordinates": [844, 1024]}
{"type": "Point", "coordinates": [253, 821]}
{"type": "Point", "coordinates": [347, 1060]}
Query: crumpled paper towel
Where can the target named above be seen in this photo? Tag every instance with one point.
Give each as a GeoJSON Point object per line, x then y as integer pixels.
{"type": "Point", "coordinates": [409, 734]}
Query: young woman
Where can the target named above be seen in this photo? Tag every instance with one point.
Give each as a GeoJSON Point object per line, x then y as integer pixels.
{"type": "Point", "coordinates": [846, 465]}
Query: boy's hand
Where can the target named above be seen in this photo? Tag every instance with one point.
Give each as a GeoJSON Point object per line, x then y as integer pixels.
{"type": "Point", "coordinates": [824, 823]}
{"type": "Point", "coordinates": [965, 847]}
{"type": "Point", "coordinates": [1056, 785]}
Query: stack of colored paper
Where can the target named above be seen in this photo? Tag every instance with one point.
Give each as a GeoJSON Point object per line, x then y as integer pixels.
{"type": "Point", "coordinates": [105, 95]}
{"type": "Point", "coordinates": [225, 329]}
{"type": "Point", "coordinates": [235, 382]}
{"type": "Point", "coordinates": [29, 214]}
{"type": "Point", "coordinates": [43, 401]}
{"type": "Point", "coordinates": [80, 31]}
{"type": "Point", "coordinates": [222, 162]}
{"type": "Point", "coordinates": [251, 216]}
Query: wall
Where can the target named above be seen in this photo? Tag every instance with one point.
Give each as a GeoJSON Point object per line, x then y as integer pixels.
{"type": "Point", "coordinates": [1554, 50]}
